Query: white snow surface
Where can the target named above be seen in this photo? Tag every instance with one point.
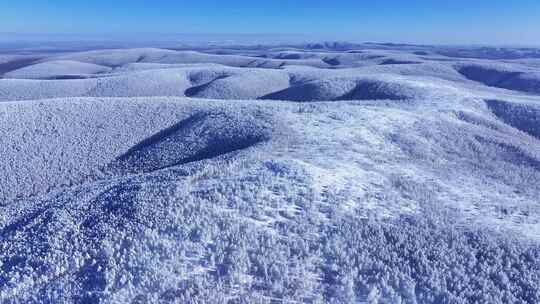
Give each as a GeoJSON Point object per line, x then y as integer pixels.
{"type": "Point", "coordinates": [57, 69]}
{"type": "Point", "coordinates": [286, 175]}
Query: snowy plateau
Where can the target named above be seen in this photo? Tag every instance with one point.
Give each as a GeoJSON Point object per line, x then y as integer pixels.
{"type": "Point", "coordinates": [313, 173]}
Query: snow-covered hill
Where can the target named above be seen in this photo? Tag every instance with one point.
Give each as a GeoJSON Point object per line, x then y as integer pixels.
{"type": "Point", "coordinates": [325, 174]}
{"type": "Point", "coordinates": [61, 69]}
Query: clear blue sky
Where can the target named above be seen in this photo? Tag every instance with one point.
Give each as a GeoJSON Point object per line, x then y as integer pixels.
{"type": "Point", "coordinates": [423, 21]}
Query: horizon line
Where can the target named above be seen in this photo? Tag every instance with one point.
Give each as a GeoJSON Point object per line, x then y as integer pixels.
{"type": "Point", "coordinates": [310, 38]}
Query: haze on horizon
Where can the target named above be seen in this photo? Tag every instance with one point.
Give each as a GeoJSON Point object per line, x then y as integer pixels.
{"type": "Point", "coordinates": [494, 22]}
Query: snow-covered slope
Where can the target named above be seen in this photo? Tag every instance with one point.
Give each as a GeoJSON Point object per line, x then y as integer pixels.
{"type": "Point", "coordinates": [352, 88]}
{"type": "Point", "coordinates": [504, 76]}
{"type": "Point", "coordinates": [177, 176]}
{"type": "Point", "coordinates": [115, 58]}
{"type": "Point", "coordinates": [57, 70]}
{"type": "Point", "coordinates": [146, 83]}
{"type": "Point", "coordinates": [252, 84]}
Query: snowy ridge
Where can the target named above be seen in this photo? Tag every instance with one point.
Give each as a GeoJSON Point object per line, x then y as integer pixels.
{"type": "Point", "coordinates": [62, 69]}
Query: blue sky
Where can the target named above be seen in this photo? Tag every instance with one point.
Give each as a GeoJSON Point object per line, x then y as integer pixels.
{"type": "Point", "coordinates": [421, 21]}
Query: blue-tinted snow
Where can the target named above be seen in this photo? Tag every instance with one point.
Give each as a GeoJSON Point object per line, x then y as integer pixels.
{"type": "Point", "coordinates": [335, 173]}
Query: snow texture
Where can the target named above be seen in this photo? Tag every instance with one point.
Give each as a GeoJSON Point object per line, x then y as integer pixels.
{"type": "Point", "coordinates": [62, 69]}
{"type": "Point", "coordinates": [316, 173]}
